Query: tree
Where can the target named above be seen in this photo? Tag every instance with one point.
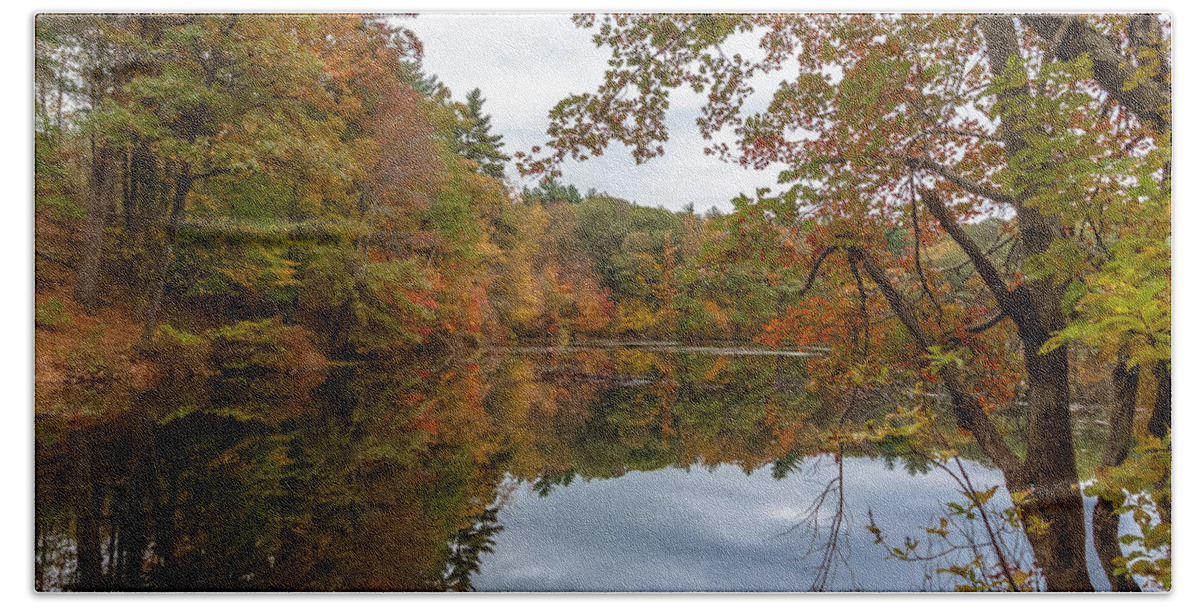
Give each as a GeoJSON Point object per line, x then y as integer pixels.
{"type": "Point", "coordinates": [475, 139]}
{"type": "Point", "coordinates": [920, 124]}
{"type": "Point", "coordinates": [195, 98]}
{"type": "Point", "coordinates": [74, 68]}
{"type": "Point", "coordinates": [550, 190]}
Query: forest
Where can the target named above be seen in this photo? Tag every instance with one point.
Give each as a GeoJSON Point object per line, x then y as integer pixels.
{"type": "Point", "coordinates": [281, 271]}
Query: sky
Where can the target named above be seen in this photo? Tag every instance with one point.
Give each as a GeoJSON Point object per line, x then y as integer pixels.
{"type": "Point", "coordinates": [525, 64]}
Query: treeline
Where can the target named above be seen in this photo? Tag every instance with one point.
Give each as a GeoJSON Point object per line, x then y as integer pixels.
{"type": "Point", "coordinates": [616, 269]}
{"type": "Point", "coordinates": [198, 172]}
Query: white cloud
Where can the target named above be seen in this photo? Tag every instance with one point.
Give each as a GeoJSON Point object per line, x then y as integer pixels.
{"type": "Point", "coordinates": [526, 63]}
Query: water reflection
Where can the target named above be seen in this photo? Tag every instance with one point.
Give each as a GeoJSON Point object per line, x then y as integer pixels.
{"type": "Point", "coordinates": [712, 530]}
{"type": "Point", "coordinates": [615, 468]}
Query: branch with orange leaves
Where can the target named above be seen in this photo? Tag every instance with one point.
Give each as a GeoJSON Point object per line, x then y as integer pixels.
{"type": "Point", "coordinates": [968, 412]}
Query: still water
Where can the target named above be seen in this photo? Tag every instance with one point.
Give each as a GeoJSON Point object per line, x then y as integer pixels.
{"type": "Point", "coordinates": [604, 468]}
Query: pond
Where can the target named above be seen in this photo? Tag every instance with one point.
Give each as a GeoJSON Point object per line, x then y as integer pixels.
{"type": "Point", "coordinates": [605, 467]}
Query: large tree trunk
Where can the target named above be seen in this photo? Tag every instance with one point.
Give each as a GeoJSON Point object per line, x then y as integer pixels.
{"type": "Point", "coordinates": [99, 202]}
{"type": "Point", "coordinates": [1105, 520]}
{"type": "Point", "coordinates": [1105, 533]}
{"type": "Point", "coordinates": [1049, 470]}
{"type": "Point", "coordinates": [144, 200]}
{"type": "Point", "coordinates": [1148, 98]}
{"type": "Point", "coordinates": [143, 182]}
{"type": "Point", "coordinates": [1160, 417]}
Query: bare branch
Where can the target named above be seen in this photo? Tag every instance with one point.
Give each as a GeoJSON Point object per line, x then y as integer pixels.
{"type": "Point", "coordinates": [983, 265]}
{"type": "Point", "coordinates": [986, 325]}
{"type": "Point", "coordinates": [969, 413]}
{"type": "Point", "coordinates": [50, 258]}
{"type": "Point", "coordinates": [812, 274]}
{"type": "Point", "coordinates": [862, 305]}
{"type": "Point", "coordinates": [1001, 240]}
{"type": "Point", "coordinates": [961, 181]}
{"type": "Point", "coordinates": [917, 247]}
{"type": "Point", "coordinates": [965, 133]}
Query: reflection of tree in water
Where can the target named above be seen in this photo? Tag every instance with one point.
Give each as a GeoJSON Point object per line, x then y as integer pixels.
{"type": "Point", "coordinates": [391, 478]}
{"type": "Point", "coordinates": [546, 483]}
{"type": "Point", "coordinates": [975, 544]}
{"type": "Point", "coordinates": [982, 547]}
{"type": "Point", "coordinates": [360, 486]}
{"type": "Point", "coordinates": [828, 542]}
{"type": "Point", "coordinates": [651, 410]}
{"type": "Point", "coordinates": [827, 524]}
{"type": "Point", "coordinates": [664, 410]}
{"type": "Point", "coordinates": [468, 546]}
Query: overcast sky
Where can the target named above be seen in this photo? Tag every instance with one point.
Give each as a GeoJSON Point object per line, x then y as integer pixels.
{"type": "Point", "coordinates": [526, 63]}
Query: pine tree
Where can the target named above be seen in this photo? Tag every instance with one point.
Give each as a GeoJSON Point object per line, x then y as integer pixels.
{"type": "Point", "coordinates": [475, 140]}
{"type": "Point", "coordinates": [550, 190]}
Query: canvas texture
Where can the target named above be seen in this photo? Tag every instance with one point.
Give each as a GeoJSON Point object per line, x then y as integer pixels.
{"type": "Point", "coordinates": [639, 302]}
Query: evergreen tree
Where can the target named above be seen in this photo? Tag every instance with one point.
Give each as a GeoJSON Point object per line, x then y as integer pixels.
{"type": "Point", "coordinates": [476, 141]}
{"type": "Point", "coordinates": [551, 189]}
